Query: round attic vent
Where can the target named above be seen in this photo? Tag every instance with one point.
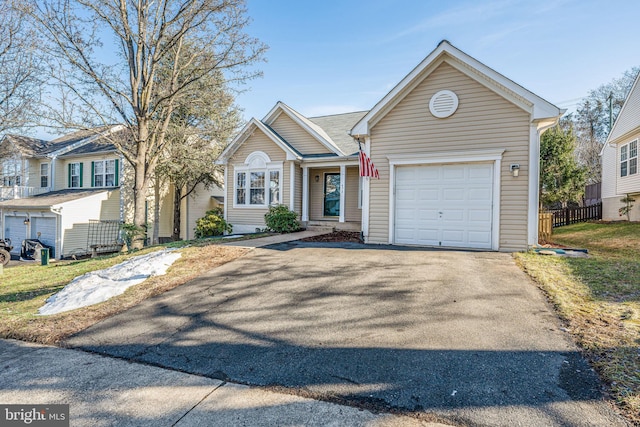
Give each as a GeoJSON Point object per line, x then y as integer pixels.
{"type": "Point", "coordinates": [443, 104]}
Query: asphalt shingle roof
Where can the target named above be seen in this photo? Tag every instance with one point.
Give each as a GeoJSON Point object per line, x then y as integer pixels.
{"type": "Point", "coordinates": [337, 126]}
{"type": "Point", "coordinates": [51, 198]}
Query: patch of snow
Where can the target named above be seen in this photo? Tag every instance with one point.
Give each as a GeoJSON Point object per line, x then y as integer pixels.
{"type": "Point", "coordinates": [98, 286]}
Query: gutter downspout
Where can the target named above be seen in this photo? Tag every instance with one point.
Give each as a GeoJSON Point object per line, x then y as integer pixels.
{"type": "Point", "coordinates": [58, 213]}
{"type": "Point", "coordinates": [52, 172]}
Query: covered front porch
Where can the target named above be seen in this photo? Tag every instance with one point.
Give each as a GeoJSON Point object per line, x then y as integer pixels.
{"type": "Point", "coordinates": [331, 195]}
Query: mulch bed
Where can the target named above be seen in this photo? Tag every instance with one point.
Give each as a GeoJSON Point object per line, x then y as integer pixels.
{"type": "Point", "coordinates": [336, 236]}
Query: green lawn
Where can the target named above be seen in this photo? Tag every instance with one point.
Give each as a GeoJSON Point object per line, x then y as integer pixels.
{"type": "Point", "coordinates": [599, 298]}
{"type": "Point", "coordinates": [25, 288]}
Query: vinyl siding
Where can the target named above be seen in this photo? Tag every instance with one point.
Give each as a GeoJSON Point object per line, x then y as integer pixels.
{"type": "Point", "coordinates": [165, 220]}
{"type": "Point", "coordinates": [629, 183]}
{"type": "Point", "coordinates": [629, 117]}
{"type": "Point", "coordinates": [252, 216]}
{"type": "Point", "coordinates": [299, 138]}
{"type": "Point", "coordinates": [316, 195]}
{"type": "Point", "coordinates": [76, 215]}
{"type": "Point", "coordinates": [609, 171]}
{"type": "Point", "coordinates": [483, 120]}
{"type": "Point", "coordinates": [193, 207]}
{"type": "Point", "coordinates": [62, 170]}
{"type": "Point", "coordinates": [352, 185]}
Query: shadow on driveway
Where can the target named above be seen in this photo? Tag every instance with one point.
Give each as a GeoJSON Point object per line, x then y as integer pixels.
{"type": "Point", "coordinates": [464, 335]}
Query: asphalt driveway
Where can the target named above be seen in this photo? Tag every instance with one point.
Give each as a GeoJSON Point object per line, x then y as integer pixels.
{"type": "Point", "coordinates": [462, 335]}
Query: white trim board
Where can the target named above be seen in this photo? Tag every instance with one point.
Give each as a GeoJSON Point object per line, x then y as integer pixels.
{"type": "Point", "coordinates": [471, 156]}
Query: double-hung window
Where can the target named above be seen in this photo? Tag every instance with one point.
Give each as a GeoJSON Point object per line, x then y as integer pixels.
{"type": "Point", "coordinates": [75, 175]}
{"type": "Point", "coordinates": [257, 187]}
{"type": "Point", "coordinates": [105, 173]}
{"type": "Point", "coordinates": [629, 159]}
{"type": "Point", "coordinates": [44, 175]}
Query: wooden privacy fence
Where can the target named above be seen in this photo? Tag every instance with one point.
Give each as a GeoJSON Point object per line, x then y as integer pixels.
{"type": "Point", "coordinates": [547, 221]}
{"type": "Point", "coordinates": [573, 215]}
{"type": "Point", "coordinates": [545, 226]}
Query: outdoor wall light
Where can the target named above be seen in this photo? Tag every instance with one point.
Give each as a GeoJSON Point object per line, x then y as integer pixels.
{"type": "Point", "coordinates": [26, 221]}
{"type": "Point", "coordinates": [515, 169]}
{"type": "Point", "coordinates": [317, 178]}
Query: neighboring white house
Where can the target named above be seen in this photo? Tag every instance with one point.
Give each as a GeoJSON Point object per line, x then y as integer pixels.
{"type": "Point", "coordinates": [456, 145]}
{"type": "Point", "coordinates": [619, 156]}
{"type": "Point", "coordinates": [52, 190]}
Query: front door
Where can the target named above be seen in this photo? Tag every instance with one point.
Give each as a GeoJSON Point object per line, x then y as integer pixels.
{"type": "Point", "coordinates": [331, 194]}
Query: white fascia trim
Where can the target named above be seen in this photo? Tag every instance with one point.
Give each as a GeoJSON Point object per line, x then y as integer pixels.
{"type": "Point", "coordinates": [447, 157]}
{"type": "Point", "coordinates": [296, 117]}
{"type": "Point", "coordinates": [329, 164]}
{"type": "Point", "coordinates": [246, 133]}
{"type": "Point", "coordinates": [85, 141]}
{"type": "Point", "coordinates": [612, 134]}
{"type": "Point", "coordinates": [469, 156]}
{"type": "Point", "coordinates": [541, 107]}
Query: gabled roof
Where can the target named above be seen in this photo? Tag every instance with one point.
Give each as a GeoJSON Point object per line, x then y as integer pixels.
{"type": "Point", "coordinates": [80, 142]}
{"type": "Point", "coordinates": [27, 146]}
{"type": "Point", "coordinates": [445, 52]}
{"type": "Point", "coordinates": [629, 117]}
{"type": "Point", "coordinates": [247, 131]}
{"type": "Point", "coordinates": [312, 128]}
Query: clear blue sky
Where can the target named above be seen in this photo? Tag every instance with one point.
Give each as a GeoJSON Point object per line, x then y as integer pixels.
{"type": "Point", "coordinates": [334, 56]}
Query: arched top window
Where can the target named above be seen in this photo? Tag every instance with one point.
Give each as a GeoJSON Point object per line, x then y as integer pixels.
{"type": "Point", "coordinates": [257, 182]}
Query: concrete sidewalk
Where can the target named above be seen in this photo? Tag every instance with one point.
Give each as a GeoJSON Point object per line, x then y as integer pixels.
{"type": "Point", "coordinates": [277, 238]}
{"type": "Point", "coordinates": [103, 391]}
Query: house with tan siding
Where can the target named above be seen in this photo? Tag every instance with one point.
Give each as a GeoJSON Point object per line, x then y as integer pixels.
{"type": "Point", "coordinates": [619, 157]}
{"type": "Point", "coordinates": [54, 190]}
{"type": "Point", "coordinates": [456, 145]}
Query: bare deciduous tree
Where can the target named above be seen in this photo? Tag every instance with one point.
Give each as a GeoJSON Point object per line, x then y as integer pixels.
{"type": "Point", "coordinates": [594, 118]}
{"type": "Point", "coordinates": [124, 82]}
{"type": "Point", "coordinates": [19, 68]}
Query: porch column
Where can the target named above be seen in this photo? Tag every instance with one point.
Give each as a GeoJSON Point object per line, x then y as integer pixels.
{"type": "Point", "coordinates": [343, 178]}
{"type": "Point", "coordinates": [305, 193]}
{"type": "Point", "coordinates": [292, 186]}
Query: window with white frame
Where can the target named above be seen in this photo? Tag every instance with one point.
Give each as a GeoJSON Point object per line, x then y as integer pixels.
{"type": "Point", "coordinates": [105, 173]}
{"type": "Point", "coordinates": [75, 175]}
{"type": "Point", "coordinates": [12, 172]}
{"type": "Point", "coordinates": [258, 181]}
{"type": "Point", "coordinates": [629, 159]}
{"type": "Point", "coordinates": [44, 175]}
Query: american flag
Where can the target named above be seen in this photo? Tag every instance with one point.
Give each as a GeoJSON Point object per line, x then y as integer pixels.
{"type": "Point", "coordinates": [367, 168]}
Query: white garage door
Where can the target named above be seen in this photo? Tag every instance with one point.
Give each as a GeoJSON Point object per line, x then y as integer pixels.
{"type": "Point", "coordinates": [444, 205]}
{"type": "Point", "coordinates": [47, 229]}
{"type": "Point", "coordinates": [15, 229]}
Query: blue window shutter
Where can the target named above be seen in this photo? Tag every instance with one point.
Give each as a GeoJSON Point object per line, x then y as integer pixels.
{"type": "Point", "coordinates": [93, 179]}
{"type": "Point", "coordinates": [116, 180]}
{"type": "Point", "coordinates": [81, 174]}
{"type": "Point", "coordinates": [69, 176]}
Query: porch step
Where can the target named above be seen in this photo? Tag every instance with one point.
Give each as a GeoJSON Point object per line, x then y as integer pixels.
{"type": "Point", "coordinates": [330, 226]}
